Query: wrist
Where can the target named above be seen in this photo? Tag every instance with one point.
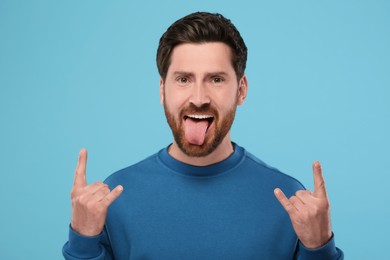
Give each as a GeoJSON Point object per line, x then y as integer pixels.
{"type": "Point", "coordinates": [317, 243]}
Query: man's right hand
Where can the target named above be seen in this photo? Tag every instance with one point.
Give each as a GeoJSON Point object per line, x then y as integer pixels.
{"type": "Point", "coordinates": [90, 202]}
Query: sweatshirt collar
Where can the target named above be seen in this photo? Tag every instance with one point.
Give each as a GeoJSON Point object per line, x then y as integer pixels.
{"type": "Point", "coordinates": [202, 171]}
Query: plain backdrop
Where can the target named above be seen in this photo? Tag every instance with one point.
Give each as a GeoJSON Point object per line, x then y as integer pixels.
{"type": "Point", "coordinates": [82, 73]}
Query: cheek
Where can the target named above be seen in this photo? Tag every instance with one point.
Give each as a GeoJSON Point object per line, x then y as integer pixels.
{"type": "Point", "coordinates": [175, 100]}
{"type": "Point", "coordinates": [172, 107]}
{"type": "Point", "coordinates": [226, 102]}
{"type": "Point", "coordinates": [171, 103]}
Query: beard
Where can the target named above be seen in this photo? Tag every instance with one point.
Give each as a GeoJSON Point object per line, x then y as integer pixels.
{"type": "Point", "coordinates": [214, 136]}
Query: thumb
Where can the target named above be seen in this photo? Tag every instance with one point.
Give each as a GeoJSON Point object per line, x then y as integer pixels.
{"type": "Point", "coordinates": [113, 195]}
{"type": "Point", "coordinates": [285, 202]}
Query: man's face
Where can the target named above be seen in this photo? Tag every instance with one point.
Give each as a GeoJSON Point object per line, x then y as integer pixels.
{"type": "Point", "coordinates": [200, 95]}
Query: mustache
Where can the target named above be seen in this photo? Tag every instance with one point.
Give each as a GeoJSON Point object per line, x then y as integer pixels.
{"type": "Point", "coordinates": [203, 109]}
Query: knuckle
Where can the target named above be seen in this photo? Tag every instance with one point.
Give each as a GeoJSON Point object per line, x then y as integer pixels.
{"type": "Point", "coordinates": [293, 199]}
{"type": "Point", "coordinates": [91, 206]}
{"type": "Point", "coordinates": [316, 211]}
{"type": "Point", "coordinates": [302, 193]}
{"type": "Point", "coordinates": [82, 199]}
{"type": "Point", "coordinates": [105, 202]}
{"type": "Point", "coordinates": [79, 200]}
{"type": "Point", "coordinates": [98, 184]}
{"type": "Point", "coordinates": [326, 205]}
{"type": "Point", "coordinates": [73, 193]}
{"type": "Point", "coordinates": [103, 191]}
{"type": "Point", "coordinates": [76, 202]}
{"type": "Point", "coordinates": [319, 210]}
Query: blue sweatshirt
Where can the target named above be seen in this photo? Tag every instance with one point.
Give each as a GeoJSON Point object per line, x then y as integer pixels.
{"type": "Point", "coordinates": [172, 210]}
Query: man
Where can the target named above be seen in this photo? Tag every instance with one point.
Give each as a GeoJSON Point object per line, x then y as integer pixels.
{"type": "Point", "coordinates": [202, 197]}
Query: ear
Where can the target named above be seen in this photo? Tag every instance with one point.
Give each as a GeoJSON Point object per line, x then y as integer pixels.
{"type": "Point", "coordinates": [242, 90]}
{"type": "Point", "coordinates": [161, 91]}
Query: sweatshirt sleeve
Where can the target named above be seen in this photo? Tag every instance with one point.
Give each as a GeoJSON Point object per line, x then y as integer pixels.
{"type": "Point", "coordinates": [85, 247]}
{"type": "Point", "coordinates": [329, 251]}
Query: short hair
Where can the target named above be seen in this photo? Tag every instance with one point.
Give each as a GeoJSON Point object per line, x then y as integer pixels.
{"type": "Point", "coordinates": [202, 27]}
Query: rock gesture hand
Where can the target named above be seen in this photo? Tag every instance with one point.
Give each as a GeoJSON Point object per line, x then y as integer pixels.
{"type": "Point", "coordinates": [90, 202]}
{"type": "Point", "coordinates": [309, 212]}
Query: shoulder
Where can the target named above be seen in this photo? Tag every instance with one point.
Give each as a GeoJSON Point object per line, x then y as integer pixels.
{"type": "Point", "coordinates": [147, 165]}
{"type": "Point", "coordinates": [269, 173]}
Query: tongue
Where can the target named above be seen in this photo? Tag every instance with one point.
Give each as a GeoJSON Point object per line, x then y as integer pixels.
{"type": "Point", "coordinates": [195, 130]}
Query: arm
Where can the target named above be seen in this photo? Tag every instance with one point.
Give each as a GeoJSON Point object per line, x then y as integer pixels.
{"type": "Point", "coordinates": [310, 216]}
{"type": "Point", "coordinates": [90, 203]}
{"type": "Point", "coordinates": [329, 251]}
{"type": "Point", "coordinates": [86, 247]}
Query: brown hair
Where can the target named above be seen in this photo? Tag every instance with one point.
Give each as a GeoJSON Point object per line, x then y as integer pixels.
{"type": "Point", "coordinates": [201, 27]}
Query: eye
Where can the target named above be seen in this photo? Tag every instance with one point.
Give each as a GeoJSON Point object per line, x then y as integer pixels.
{"type": "Point", "coordinates": [182, 80]}
{"type": "Point", "coordinates": [217, 80]}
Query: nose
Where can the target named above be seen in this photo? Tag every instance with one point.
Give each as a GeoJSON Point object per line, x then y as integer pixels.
{"type": "Point", "coordinates": [199, 95]}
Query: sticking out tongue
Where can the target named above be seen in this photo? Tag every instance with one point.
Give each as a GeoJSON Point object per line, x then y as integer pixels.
{"type": "Point", "coordinates": [195, 130]}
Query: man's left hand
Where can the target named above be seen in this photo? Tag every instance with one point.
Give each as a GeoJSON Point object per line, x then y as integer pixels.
{"type": "Point", "coordinates": [309, 212]}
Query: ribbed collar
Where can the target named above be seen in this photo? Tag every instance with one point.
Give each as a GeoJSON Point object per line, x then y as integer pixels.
{"type": "Point", "coordinates": [202, 171]}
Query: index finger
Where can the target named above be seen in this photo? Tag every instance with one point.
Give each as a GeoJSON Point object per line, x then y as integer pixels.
{"type": "Point", "coordinates": [80, 179]}
{"type": "Point", "coordinates": [319, 182]}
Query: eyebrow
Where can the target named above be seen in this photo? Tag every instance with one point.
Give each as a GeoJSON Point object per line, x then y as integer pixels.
{"type": "Point", "coordinates": [185, 73]}
{"type": "Point", "coordinates": [208, 74]}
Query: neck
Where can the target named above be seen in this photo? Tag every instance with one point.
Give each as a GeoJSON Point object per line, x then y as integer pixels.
{"type": "Point", "coordinates": [223, 151]}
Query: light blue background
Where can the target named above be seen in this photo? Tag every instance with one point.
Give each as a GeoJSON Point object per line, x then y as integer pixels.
{"type": "Point", "coordinates": [82, 73]}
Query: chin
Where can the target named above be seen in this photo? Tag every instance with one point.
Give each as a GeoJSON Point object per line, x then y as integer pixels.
{"type": "Point", "coordinates": [192, 150]}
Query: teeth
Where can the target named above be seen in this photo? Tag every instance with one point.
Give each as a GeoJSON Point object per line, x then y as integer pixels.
{"type": "Point", "coordinates": [199, 116]}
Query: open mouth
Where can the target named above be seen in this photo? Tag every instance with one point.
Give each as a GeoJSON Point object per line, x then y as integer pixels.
{"type": "Point", "coordinates": [196, 127]}
{"type": "Point", "coordinates": [200, 118]}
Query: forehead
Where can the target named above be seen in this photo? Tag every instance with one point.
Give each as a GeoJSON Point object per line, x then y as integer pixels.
{"type": "Point", "coordinates": [210, 56]}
